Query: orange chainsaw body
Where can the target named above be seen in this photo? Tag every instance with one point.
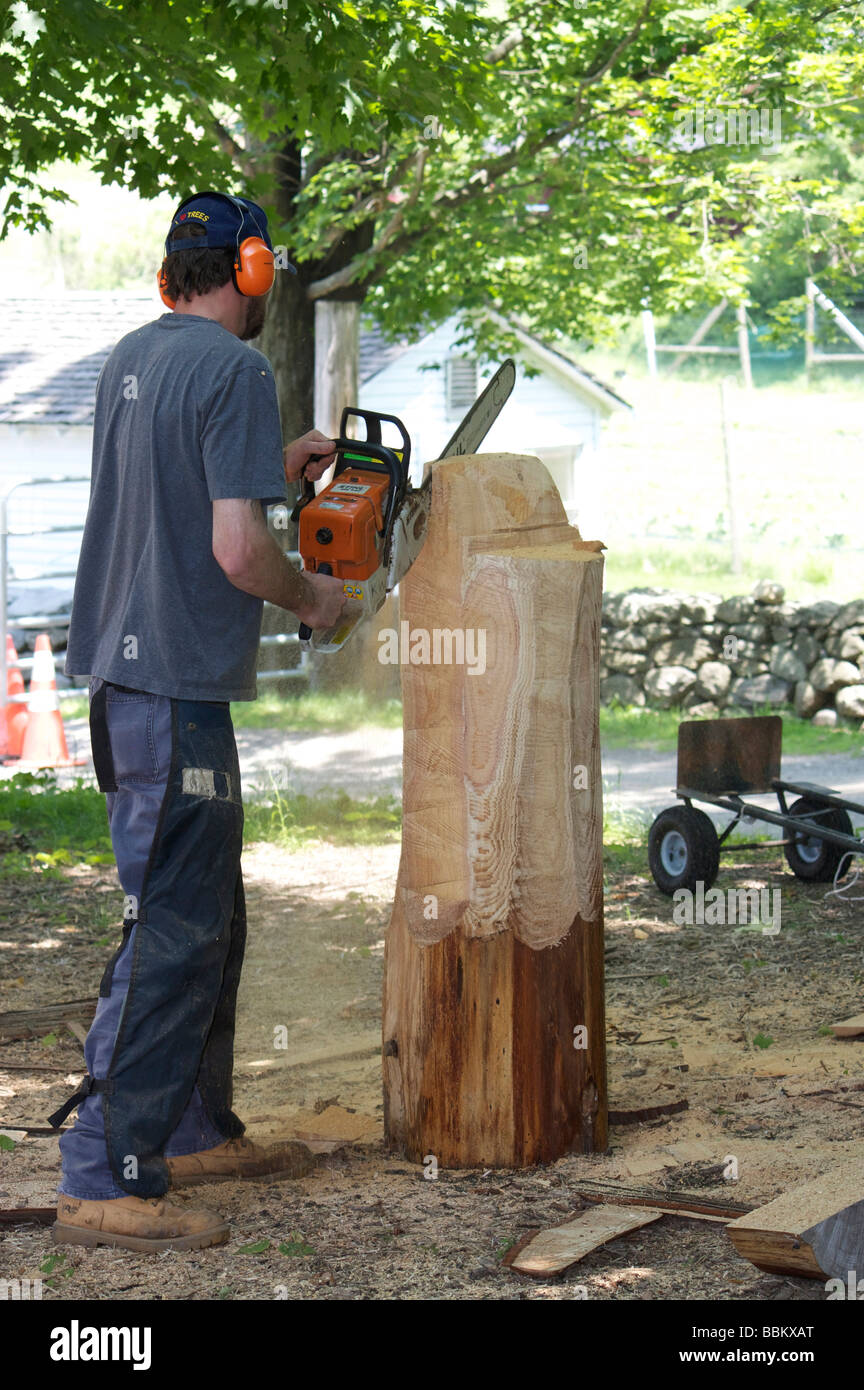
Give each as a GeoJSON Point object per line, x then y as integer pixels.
{"type": "Point", "coordinates": [342, 527]}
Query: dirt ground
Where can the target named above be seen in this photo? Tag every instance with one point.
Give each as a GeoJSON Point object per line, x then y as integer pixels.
{"type": "Point", "coordinates": [725, 1018]}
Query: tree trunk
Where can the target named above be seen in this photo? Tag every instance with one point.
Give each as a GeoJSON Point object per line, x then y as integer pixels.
{"type": "Point", "coordinates": [288, 340]}
{"type": "Point", "coordinates": [494, 1047]}
{"type": "Point", "coordinates": [312, 346]}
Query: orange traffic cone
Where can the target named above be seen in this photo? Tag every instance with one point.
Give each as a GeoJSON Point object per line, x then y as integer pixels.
{"type": "Point", "coordinates": [15, 712]}
{"type": "Point", "coordinates": [45, 739]}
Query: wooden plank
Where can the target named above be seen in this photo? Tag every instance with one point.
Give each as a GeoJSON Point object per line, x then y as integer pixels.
{"type": "Point", "coordinates": [647, 1112]}
{"type": "Point", "coordinates": [815, 1231]}
{"type": "Point", "coordinates": [704, 328]}
{"type": "Point", "coordinates": [849, 1028]}
{"type": "Point", "coordinates": [34, 1023]}
{"type": "Point", "coordinates": [29, 1216]}
{"type": "Point", "coordinates": [554, 1250]}
{"type": "Point", "coordinates": [673, 1203]}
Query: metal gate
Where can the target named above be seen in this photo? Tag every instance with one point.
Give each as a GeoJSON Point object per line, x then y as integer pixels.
{"type": "Point", "coordinates": [41, 575]}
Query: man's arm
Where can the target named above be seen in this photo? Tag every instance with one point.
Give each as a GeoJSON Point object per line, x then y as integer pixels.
{"type": "Point", "coordinates": [253, 561]}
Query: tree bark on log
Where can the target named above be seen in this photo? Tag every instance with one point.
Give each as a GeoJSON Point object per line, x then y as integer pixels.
{"type": "Point", "coordinates": [494, 1038]}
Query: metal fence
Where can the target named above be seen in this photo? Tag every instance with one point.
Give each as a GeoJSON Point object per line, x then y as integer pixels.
{"type": "Point", "coordinates": [40, 575]}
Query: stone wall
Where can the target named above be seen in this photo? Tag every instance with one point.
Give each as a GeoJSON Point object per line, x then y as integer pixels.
{"type": "Point", "coordinates": [706, 654]}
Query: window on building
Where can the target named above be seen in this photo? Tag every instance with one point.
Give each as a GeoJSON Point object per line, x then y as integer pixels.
{"type": "Point", "coordinates": [460, 384]}
{"type": "Point", "coordinates": [561, 463]}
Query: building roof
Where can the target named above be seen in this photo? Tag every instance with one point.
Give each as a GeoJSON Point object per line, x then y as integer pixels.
{"type": "Point", "coordinates": [54, 347]}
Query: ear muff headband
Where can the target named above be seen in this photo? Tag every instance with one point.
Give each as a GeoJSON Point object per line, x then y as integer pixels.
{"type": "Point", "coordinates": [254, 267]}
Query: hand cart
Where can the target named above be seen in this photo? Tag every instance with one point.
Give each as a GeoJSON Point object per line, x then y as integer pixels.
{"type": "Point", "coordinates": [718, 760]}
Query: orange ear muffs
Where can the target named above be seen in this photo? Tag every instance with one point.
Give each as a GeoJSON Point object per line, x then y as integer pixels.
{"type": "Point", "coordinates": [160, 277]}
{"type": "Point", "coordinates": [255, 267]}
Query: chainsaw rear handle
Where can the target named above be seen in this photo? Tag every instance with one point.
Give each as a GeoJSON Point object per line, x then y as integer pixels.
{"type": "Point", "coordinates": [304, 632]}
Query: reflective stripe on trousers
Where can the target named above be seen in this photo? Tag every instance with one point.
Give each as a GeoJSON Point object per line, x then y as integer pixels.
{"type": "Point", "coordinates": [161, 1042]}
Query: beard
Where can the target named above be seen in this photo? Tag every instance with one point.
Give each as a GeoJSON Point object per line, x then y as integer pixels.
{"type": "Point", "coordinates": [256, 313]}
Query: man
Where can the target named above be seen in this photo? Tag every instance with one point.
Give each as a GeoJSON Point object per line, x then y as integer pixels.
{"type": "Point", "coordinates": [175, 561]}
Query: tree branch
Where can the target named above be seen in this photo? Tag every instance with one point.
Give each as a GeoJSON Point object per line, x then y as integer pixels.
{"type": "Point", "coordinates": [494, 55]}
{"type": "Point", "coordinates": [507, 161]}
{"type": "Point", "coordinates": [369, 205]}
{"type": "Point", "coordinates": [239, 156]}
{"type": "Point", "coordinates": [616, 51]}
{"type": "Point", "coordinates": [318, 289]}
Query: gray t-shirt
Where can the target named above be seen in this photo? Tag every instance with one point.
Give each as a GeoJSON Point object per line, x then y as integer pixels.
{"type": "Point", "coordinates": [185, 413]}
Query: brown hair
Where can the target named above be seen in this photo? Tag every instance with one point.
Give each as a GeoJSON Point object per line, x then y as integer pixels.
{"type": "Point", "coordinates": [197, 270]}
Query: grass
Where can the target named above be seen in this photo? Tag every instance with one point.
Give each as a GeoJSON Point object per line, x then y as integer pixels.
{"type": "Point", "coordinates": [620, 727]}
{"type": "Point", "coordinates": [311, 712]}
{"type": "Point", "coordinates": [657, 731]}
{"type": "Point", "coordinates": [45, 828]}
{"type": "Point", "coordinates": [660, 499]}
{"type": "Point", "coordinates": [318, 712]}
{"type": "Point", "coordinates": [293, 820]}
{"type": "Point", "coordinates": [703, 566]}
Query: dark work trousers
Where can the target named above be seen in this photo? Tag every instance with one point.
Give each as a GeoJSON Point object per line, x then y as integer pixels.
{"type": "Point", "coordinates": [159, 1052]}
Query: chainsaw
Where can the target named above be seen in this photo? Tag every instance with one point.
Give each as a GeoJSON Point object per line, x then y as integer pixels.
{"type": "Point", "coordinates": [368, 524]}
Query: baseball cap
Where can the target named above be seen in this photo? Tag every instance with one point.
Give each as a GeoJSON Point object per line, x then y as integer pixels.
{"type": "Point", "coordinates": [226, 221]}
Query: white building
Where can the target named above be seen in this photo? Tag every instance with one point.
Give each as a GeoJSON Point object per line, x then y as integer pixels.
{"type": "Point", "coordinates": [54, 347]}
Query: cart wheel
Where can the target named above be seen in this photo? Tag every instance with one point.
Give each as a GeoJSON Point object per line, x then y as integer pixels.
{"type": "Point", "coordinates": [809, 857]}
{"type": "Point", "coordinates": [683, 849]}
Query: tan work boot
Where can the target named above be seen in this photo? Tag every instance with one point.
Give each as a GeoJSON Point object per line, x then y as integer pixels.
{"type": "Point", "coordinates": [136, 1223]}
{"type": "Point", "coordinates": [239, 1160]}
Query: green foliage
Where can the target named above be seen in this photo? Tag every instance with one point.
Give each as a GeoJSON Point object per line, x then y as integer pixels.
{"type": "Point", "coordinates": [296, 1245]}
{"type": "Point", "coordinates": [73, 821]}
{"type": "Point", "coordinates": [33, 805]}
{"type": "Point", "coordinates": [56, 1264]}
{"type": "Point", "coordinates": [527, 154]}
{"type": "Point", "coordinates": [632, 727]}
{"type": "Point", "coordinates": [317, 712]}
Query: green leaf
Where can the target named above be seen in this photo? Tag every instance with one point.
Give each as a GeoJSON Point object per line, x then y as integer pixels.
{"type": "Point", "coordinates": [257, 1249]}
{"type": "Point", "coordinates": [296, 1245]}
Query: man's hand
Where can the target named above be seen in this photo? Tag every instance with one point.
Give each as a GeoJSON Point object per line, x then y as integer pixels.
{"type": "Point", "coordinates": [297, 455]}
{"type": "Point", "coordinates": [328, 604]}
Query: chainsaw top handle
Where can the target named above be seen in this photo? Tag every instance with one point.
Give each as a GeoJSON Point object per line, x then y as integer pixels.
{"type": "Point", "coordinates": [373, 420]}
{"type": "Point", "coordinates": [372, 452]}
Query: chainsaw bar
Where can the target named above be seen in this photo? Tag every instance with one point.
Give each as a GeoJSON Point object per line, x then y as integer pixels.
{"type": "Point", "coordinates": [412, 519]}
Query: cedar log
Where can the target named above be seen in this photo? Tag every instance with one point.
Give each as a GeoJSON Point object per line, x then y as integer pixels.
{"type": "Point", "coordinates": [495, 949]}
